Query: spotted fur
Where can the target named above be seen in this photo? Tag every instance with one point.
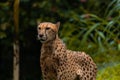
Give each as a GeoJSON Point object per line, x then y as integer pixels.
{"type": "Point", "coordinates": [59, 63]}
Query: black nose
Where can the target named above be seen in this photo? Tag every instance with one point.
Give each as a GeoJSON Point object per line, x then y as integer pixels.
{"type": "Point", "coordinates": [40, 35]}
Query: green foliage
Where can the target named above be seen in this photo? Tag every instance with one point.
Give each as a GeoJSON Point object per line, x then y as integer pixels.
{"type": "Point", "coordinates": [103, 32]}
{"type": "Point", "coordinates": [109, 73]}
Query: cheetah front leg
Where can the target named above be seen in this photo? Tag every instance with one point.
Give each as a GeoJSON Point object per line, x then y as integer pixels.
{"type": "Point", "coordinates": [44, 73]}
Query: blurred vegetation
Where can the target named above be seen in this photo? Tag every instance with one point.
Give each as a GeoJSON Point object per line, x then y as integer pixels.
{"type": "Point", "coordinates": [92, 26]}
{"type": "Point", "coordinates": [104, 74]}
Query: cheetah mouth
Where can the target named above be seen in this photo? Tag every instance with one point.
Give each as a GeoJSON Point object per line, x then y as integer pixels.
{"type": "Point", "coordinates": [42, 40]}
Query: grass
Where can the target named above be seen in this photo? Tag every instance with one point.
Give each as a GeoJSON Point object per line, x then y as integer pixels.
{"type": "Point", "coordinates": [109, 73]}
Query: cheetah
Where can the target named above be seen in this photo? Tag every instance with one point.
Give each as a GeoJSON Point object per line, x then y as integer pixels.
{"type": "Point", "coordinates": [59, 63]}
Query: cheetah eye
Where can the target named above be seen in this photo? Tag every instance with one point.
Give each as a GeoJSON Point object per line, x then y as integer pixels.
{"type": "Point", "coordinates": [39, 28]}
{"type": "Point", "coordinates": [47, 28]}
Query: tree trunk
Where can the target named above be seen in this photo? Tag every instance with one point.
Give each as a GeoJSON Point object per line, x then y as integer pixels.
{"type": "Point", "coordinates": [16, 60]}
{"type": "Point", "coordinates": [16, 41]}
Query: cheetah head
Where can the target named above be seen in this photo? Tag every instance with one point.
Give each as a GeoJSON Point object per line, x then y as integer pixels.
{"type": "Point", "coordinates": [47, 31]}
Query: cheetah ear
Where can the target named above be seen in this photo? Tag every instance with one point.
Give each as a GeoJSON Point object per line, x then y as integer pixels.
{"type": "Point", "coordinates": [58, 25]}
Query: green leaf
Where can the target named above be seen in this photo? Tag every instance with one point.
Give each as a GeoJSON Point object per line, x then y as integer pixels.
{"type": "Point", "coordinates": [101, 34]}
{"type": "Point", "coordinates": [89, 32]}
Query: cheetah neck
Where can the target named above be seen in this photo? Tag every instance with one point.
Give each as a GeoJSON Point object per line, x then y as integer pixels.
{"type": "Point", "coordinates": [50, 47]}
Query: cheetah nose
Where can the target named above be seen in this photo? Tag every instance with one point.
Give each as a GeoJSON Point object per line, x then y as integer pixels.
{"type": "Point", "coordinates": [40, 35]}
